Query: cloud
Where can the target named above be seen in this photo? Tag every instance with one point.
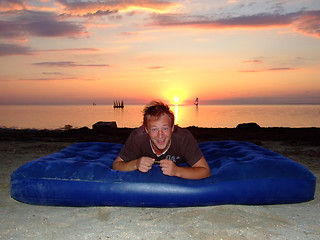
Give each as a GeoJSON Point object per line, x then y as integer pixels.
{"type": "Point", "coordinates": [68, 64]}
{"type": "Point", "coordinates": [49, 79]}
{"type": "Point", "coordinates": [101, 13]}
{"type": "Point", "coordinates": [281, 69]}
{"type": "Point", "coordinates": [306, 22]}
{"type": "Point", "coordinates": [253, 21]}
{"type": "Point", "coordinates": [56, 76]}
{"type": "Point", "coordinates": [308, 98]}
{"type": "Point", "coordinates": [6, 5]}
{"type": "Point", "coordinates": [86, 7]}
{"type": "Point", "coordinates": [20, 24]}
{"type": "Point", "coordinates": [309, 23]}
{"type": "Point", "coordinates": [71, 50]}
{"type": "Point", "coordinates": [13, 49]}
{"type": "Point", "coordinates": [93, 14]}
{"type": "Point", "coordinates": [52, 73]}
{"type": "Point", "coordinates": [270, 69]}
{"type": "Point", "coordinates": [155, 67]}
{"type": "Point", "coordinates": [253, 61]}
{"type": "Point", "coordinates": [128, 33]}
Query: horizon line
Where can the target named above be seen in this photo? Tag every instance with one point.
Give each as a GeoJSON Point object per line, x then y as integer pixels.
{"type": "Point", "coordinates": [170, 104]}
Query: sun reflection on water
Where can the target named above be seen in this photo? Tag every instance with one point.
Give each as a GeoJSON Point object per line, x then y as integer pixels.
{"type": "Point", "coordinates": [176, 113]}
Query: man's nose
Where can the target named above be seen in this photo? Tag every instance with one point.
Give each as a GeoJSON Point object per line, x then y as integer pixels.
{"type": "Point", "coordinates": [160, 133]}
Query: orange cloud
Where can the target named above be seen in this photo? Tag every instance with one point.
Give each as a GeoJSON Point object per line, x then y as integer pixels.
{"type": "Point", "coordinates": [93, 7]}
{"type": "Point", "coordinates": [309, 23]}
{"type": "Point", "coordinates": [7, 5]}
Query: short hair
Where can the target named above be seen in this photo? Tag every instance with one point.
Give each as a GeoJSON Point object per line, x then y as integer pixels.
{"type": "Point", "coordinates": [156, 109]}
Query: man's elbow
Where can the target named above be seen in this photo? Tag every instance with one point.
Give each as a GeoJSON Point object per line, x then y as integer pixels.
{"type": "Point", "coordinates": [117, 164]}
{"type": "Point", "coordinates": [208, 173]}
{"type": "Point", "coordinates": [205, 173]}
{"type": "Point", "coordinates": [114, 166]}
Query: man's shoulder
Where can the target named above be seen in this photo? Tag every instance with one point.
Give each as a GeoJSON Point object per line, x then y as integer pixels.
{"type": "Point", "coordinates": [179, 131]}
{"type": "Point", "coordinates": [184, 139]}
{"type": "Point", "coordinates": [140, 131]}
{"type": "Point", "coordinates": [137, 136]}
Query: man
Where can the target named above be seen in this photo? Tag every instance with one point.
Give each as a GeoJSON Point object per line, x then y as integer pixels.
{"type": "Point", "coordinates": [158, 140]}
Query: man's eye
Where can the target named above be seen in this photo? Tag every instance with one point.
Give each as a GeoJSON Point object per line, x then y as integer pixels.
{"type": "Point", "coordinates": [153, 129]}
{"type": "Point", "coordinates": [166, 129]}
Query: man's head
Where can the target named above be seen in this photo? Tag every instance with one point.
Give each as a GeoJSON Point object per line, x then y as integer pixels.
{"type": "Point", "coordinates": [158, 121]}
{"type": "Point", "coordinates": [154, 110]}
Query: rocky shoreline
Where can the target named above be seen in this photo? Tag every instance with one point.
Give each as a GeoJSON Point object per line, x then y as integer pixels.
{"type": "Point", "coordinates": [308, 136]}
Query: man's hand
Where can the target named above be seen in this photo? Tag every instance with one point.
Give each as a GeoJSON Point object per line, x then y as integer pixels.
{"type": "Point", "coordinates": [168, 167]}
{"type": "Point", "coordinates": [199, 170]}
{"type": "Point", "coordinates": [144, 164]}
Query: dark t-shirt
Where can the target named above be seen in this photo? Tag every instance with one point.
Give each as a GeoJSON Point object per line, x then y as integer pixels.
{"type": "Point", "coordinates": [183, 148]}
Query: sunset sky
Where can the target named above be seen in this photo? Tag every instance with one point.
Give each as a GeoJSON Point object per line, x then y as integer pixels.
{"type": "Point", "coordinates": [222, 51]}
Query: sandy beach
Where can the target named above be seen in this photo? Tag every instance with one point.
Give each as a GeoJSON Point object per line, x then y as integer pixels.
{"type": "Point", "coordinates": [287, 221]}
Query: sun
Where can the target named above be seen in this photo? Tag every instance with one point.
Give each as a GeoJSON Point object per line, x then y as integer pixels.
{"type": "Point", "coordinates": [175, 96]}
{"type": "Point", "coordinates": [176, 99]}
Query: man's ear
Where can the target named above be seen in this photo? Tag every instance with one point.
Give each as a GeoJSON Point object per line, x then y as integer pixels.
{"type": "Point", "coordinates": [146, 129]}
{"type": "Point", "coordinates": [172, 128]}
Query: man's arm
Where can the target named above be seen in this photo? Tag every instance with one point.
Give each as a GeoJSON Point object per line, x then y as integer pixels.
{"type": "Point", "coordinates": [143, 164]}
{"type": "Point", "coordinates": [199, 170]}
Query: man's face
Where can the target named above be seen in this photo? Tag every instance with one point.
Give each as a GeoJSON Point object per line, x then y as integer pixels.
{"type": "Point", "coordinates": [160, 131]}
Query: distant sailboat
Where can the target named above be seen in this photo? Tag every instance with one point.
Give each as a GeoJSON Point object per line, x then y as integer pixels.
{"type": "Point", "coordinates": [196, 102]}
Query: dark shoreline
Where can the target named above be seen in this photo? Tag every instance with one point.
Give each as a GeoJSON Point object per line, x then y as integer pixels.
{"type": "Point", "coordinates": [309, 136]}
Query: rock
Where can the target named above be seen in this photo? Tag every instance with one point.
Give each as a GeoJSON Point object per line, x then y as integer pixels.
{"type": "Point", "coordinates": [104, 125]}
{"type": "Point", "coordinates": [248, 126]}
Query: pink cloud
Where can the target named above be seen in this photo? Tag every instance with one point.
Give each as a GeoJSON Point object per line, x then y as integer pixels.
{"type": "Point", "coordinates": [44, 24]}
{"type": "Point", "coordinates": [281, 69]}
{"type": "Point", "coordinates": [72, 50]}
{"type": "Point", "coordinates": [68, 64]}
{"type": "Point", "coordinates": [14, 49]}
{"type": "Point", "coordinates": [48, 79]}
{"type": "Point", "coordinates": [270, 69]}
{"type": "Point", "coordinates": [253, 21]}
{"type": "Point", "coordinates": [155, 67]}
{"type": "Point", "coordinates": [253, 61]}
{"type": "Point", "coordinates": [309, 23]}
{"type": "Point", "coordinates": [306, 22]}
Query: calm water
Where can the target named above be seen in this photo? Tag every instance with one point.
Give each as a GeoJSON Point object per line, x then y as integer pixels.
{"type": "Point", "coordinates": [54, 117]}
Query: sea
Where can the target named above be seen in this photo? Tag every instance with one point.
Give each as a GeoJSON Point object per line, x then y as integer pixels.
{"type": "Point", "coordinates": [209, 116]}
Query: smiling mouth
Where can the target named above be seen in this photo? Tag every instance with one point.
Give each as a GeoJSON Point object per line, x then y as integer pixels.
{"type": "Point", "coordinates": [161, 141]}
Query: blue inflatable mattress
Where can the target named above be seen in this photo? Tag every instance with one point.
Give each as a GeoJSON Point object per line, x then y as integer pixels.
{"type": "Point", "coordinates": [242, 173]}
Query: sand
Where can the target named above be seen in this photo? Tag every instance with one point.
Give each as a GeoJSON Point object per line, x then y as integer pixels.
{"type": "Point", "coordinates": [23, 221]}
